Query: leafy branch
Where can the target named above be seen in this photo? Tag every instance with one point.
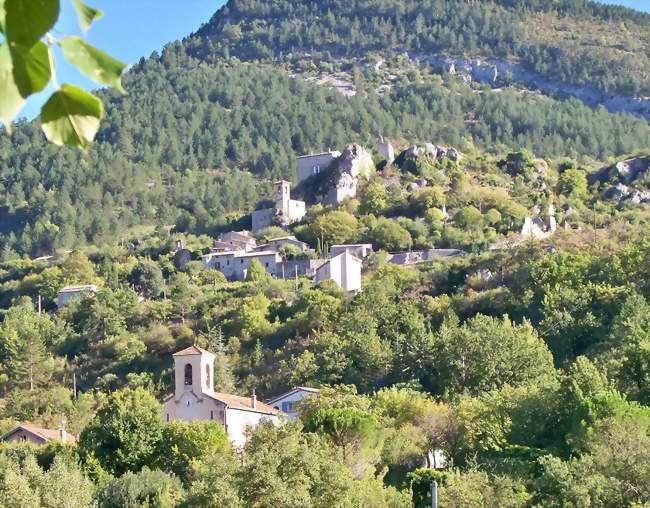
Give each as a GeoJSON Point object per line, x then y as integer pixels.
{"type": "Point", "coordinates": [71, 116]}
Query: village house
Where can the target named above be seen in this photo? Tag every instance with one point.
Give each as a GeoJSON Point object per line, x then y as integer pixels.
{"type": "Point", "coordinates": [313, 164]}
{"type": "Point", "coordinates": [422, 256]}
{"type": "Point", "coordinates": [344, 269]}
{"type": "Point", "coordinates": [234, 264]}
{"type": "Point", "coordinates": [286, 211]}
{"type": "Point", "coordinates": [194, 398]}
{"type": "Point", "coordinates": [288, 401]}
{"type": "Point", "coordinates": [276, 244]}
{"type": "Point", "coordinates": [235, 240]}
{"type": "Point", "coordinates": [37, 435]}
{"type": "Point", "coordinates": [68, 293]}
{"type": "Point", "coordinates": [360, 250]}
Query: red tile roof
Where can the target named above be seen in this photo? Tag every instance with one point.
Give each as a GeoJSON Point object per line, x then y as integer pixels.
{"type": "Point", "coordinates": [45, 434]}
{"type": "Point", "coordinates": [192, 350]}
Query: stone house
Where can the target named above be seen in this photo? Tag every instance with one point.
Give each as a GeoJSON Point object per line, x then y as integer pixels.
{"type": "Point", "coordinates": [422, 256]}
{"type": "Point", "coordinates": [276, 244]}
{"type": "Point", "coordinates": [234, 264]}
{"type": "Point", "coordinates": [288, 401]}
{"type": "Point", "coordinates": [68, 293]}
{"type": "Point", "coordinates": [313, 164]}
{"type": "Point", "coordinates": [194, 398]}
{"type": "Point", "coordinates": [38, 435]}
{"type": "Point", "coordinates": [235, 240]}
{"type": "Point", "coordinates": [344, 269]}
{"type": "Point", "coordinates": [286, 211]}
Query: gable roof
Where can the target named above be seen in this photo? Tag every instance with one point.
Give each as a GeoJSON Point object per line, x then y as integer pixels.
{"type": "Point", "coordinates": [192, 350]}
{"type": "Point", "coordinates": [244, 403]}
{"type": "Point", "coordinates": [292, 391]}
{"type": "Point", "coordinates": [41, 433]}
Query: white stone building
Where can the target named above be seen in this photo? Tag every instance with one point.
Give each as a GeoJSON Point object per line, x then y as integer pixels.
{"type": "Point", "coordinates": [344, 269]}
{"type": "Point", "coordinates": [286, 211]}
{"type": "Point", "coordinates": [313, 164]}
{"type": "Point", "coordinates": [194, 398]}
{"type": "Point", "coordinates": [68, 293]}
{"type": "Point", "coordinates": [288, 402]}
{"type": "Point", "coordinates": [359, 250]}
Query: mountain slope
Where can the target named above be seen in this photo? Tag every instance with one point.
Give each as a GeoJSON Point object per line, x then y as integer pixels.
{"type": "Point", "coordinates": [576, 41]}
{"type": "Point", "coordinates": [197, 142]}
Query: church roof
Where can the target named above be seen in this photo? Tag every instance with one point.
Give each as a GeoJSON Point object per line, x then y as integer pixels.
{"type": "Point", "coordinates": [245, 403]}
{"type": "Point", "coordinates": [192, 350]}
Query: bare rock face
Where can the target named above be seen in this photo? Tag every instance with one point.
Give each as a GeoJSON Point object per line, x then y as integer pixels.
{"type": "Point", "coordinates": [632, 169]}
{"type": "Point", "coordinates": [354, 162]}
{"type": "Point", "coordinates": [453, 154]}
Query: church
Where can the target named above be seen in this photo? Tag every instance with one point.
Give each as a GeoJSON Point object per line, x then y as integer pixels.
{"type": "Point", "coordinates": [194, 398]}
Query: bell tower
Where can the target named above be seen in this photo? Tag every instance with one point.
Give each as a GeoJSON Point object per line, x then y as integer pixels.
{"type": "Point", "coordinates": [282, 196]}
{"type": "Point", "coordinates": [193, 371]}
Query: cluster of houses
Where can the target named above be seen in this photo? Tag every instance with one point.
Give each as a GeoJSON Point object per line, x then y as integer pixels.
{"type": "Point", "coordinates": [233, 253]}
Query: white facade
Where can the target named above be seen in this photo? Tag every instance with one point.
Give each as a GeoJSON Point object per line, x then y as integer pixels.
{"type": "Point", "coordinates": [69, 293]}
{"type": "Point", "coordinates": [288, 402]}
{"type": "Point", "coordinates": [359, 250]}
{"type": "Point", "coordinates": [194, 398]}
{"type": "Point", "coordinates": [313, 164]}
{"type": "Point", "coordinates": [344, 269]}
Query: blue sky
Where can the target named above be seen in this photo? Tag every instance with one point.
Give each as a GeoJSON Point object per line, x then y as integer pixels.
{"type": "Point", "coordinates": [131, 29]}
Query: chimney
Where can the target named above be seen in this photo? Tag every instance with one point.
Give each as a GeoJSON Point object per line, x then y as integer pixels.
{"type": "Point", "coordinates": [62, 432]}
{"type": "Point", "coordinates": [254, 399]}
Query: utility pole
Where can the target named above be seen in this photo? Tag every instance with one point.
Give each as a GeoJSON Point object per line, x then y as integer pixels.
{"type": "Point", "coordinates": [434, 494]}
{"type": "Point", "coordinates": [40, 304]}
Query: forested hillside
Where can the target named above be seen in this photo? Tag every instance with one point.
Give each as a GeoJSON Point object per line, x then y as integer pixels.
{"type": "Point", "coordinates": [577, 41]}
{"type": "Point", "coordinates": [512, 367]}
{"type": "Point", "coordinates": [193, 143]}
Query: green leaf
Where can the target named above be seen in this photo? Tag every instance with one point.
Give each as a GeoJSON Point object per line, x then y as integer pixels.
{"type": "Point", "coordinates": [86, 14]}
{"type": "Point", "coordinates": [26, 21]}
{"type": "Point", "coordinates": [94, 63]}
{"type": "Point", "coordinates": [10, 98]}
{"type": "Point", "coordinates": [31, 67]}
{"type": "Point", "coordinates": [2, 16]}
{"type": "Point", "coordinates": [71, 117]}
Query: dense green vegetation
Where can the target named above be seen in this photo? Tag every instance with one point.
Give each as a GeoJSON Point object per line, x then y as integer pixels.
{"type": "Point", "coordinates": [524, 363]}
{"type": "Point", "coordinates": [578, 41]}
{"type": "Point", "coordinates": [182, 147]}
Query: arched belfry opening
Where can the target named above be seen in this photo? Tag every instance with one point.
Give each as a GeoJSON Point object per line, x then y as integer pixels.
{"type": "Point", "coordinates": [188, 374]}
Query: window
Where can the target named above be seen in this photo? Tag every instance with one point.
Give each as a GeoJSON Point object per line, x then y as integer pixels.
{"type": "Point", "coordinates": [241, 261]}
{"type": "Point", "coordinates": [218, 266]}
{"type": "Point", "coordinates": [266, 264]}
{"type": "Point", "coordinates": [288, 407]}
{"type": "Point", "coordinates": [188, 375]}
{"type": "Point", "coordinates": [188, 403]}
{"type": "Point", "coordinates": [211, 415]}
{"type": "Point", "coordinates": [207, 376]}
{"type": "Point", "coordinates": [316, 169]}
{"type": "Point", "coordinates": [167, 416]}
